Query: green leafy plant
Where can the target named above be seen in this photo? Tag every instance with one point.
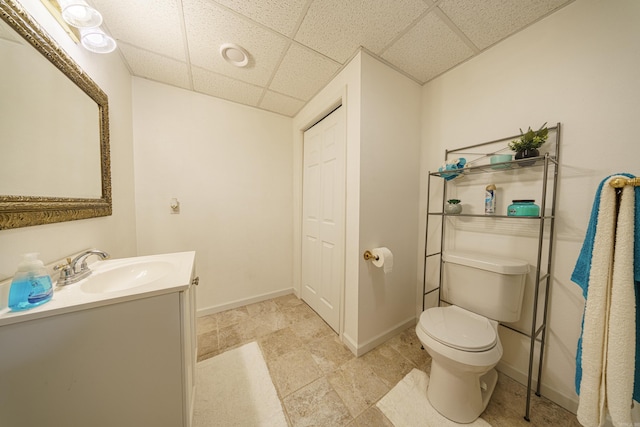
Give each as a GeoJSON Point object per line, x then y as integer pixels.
{"type": "Point", "coordinates": [530, 139]}
{"type": "Point", "coordinates": [453, 201]}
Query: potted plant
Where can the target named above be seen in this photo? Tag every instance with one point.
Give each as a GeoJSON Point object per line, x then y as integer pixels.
{"type": "Point", "coordinates": [453, 206]}
{"type": "Point", "coordinates": [528, 143]}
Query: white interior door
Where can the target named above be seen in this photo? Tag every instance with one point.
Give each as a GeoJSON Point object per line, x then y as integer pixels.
{"type": "Point", "coordinates": [323, 217]}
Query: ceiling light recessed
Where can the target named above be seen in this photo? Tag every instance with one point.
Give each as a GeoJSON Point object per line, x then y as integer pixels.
{"type": "Point", "coordinates": [234, 54]}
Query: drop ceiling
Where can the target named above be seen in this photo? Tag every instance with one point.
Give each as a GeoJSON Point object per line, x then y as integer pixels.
{"type": "Point", "coordinates": [297, 46]}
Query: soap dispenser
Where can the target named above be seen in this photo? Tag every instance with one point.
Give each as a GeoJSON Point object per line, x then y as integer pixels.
{"type": "Point", "coordinates": [31, 285]}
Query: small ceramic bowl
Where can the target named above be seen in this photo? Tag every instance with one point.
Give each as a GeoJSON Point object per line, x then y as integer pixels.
{"type": "Point", "coordinates": [500, 158]}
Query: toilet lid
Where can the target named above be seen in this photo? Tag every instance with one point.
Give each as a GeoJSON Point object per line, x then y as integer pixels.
{"type": "Point", "coordinates": [458, 328]}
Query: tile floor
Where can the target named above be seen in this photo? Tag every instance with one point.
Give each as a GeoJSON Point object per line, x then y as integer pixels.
{"type": "Point", "coordinates": [321, 383]}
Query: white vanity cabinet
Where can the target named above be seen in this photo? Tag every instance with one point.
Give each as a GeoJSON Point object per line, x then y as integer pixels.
{"type": "Point", "coordinates": [130, 362]}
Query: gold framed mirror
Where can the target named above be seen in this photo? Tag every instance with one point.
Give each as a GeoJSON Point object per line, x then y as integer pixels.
{"type": "Point", "coordinates": [54, 158]}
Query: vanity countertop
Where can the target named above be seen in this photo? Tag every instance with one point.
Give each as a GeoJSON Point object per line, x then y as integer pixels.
{"type": "Point", "coordinates": [174, 275]}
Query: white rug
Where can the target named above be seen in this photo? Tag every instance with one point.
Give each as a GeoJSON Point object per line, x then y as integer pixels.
{"type": "Point", "coordinates": [235, 389]}
{"type": "Point", "coordinates": [406, 405]}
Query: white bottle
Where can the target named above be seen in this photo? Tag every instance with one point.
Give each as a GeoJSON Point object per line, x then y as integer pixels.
{"type": "Point", "coordinates": [490, 199]}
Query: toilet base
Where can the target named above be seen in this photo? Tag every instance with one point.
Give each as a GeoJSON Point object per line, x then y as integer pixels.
{"type": "Point", "coordinates": [487, 384]}
{"type": "Point", "coordinates": [460, 396]}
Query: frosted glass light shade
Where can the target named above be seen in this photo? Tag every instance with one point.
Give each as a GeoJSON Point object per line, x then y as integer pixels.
{"type": "Point", "coordinates": [79, 14]}
{"type": "Point", "coordinates": [96, 40]}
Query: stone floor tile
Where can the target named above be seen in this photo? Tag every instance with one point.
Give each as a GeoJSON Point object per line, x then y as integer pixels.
{"type": "Point", "coordinates": [310, 328]}
{"type": "Point", "coordinates": [545, 412]}
{"type": "Point", "coordinates": [388, 364]}
{"type": "Point", "coordinates": [231, 317]}
{"type": "Point", "coordinates": [408, 345]}
{"type": "Point", "coordinates": [317, 404]}
{"type": "Point", "coordinates": [207, 324]}
{"type": "Point", "coordinates": [237, 334]}
{"type": "Point", "coordinates": [278, 343]}
{"type": "Point", "coordinates": [288, 300]}
{"type": "Point", "coordinates": [293, 370]}
{"type": "Point", "coordinates": [298, 313]}
{"type": "Point", "coordinates": [372, 417]}
{"type": "Point", "coordinates": [357, 385]}
{"type": "Point", "coordinates": [271, 321]}
{"type": "Point", "coordinates": [261, 308]}
{"type": "Point", "coordinates": [329, 353]}
{"type": "Point", "coordinates": [208, 345]}
{"type": "Point", "coordinates": [508, 402]}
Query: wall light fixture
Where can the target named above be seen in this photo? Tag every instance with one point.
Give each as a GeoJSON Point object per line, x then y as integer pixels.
{"type": "Point", "coordinates": [96, 40]}
{"type": "Point", "coordinates": [79, 14]}
{"type": "Point", "coordinates": [82, 23]}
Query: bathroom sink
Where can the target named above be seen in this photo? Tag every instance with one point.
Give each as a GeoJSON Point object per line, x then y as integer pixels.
{"type": "Point", "coordinates": [126, 276]}
{"type": "Point", "coordinates": [112, 281]}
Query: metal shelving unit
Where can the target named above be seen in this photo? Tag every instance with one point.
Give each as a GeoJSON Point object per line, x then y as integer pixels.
{"type": "Point", "coordinates": [547, 165]}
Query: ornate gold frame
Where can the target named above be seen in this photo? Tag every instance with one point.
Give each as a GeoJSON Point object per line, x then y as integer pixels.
{"type": "Point", "coordinates": [24, 211]}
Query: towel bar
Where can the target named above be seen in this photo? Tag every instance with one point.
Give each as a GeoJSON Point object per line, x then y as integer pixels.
{"type": "Point", "coordinates": [621, 182]}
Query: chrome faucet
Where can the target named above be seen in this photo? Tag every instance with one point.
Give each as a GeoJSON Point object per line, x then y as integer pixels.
{"type": "Point", "coordinates": [69, 272]}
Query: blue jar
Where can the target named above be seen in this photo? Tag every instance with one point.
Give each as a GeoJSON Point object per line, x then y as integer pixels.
{"type": "Point", "coordinates": [523, 208]}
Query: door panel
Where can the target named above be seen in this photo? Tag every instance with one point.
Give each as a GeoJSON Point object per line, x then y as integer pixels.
{"type": "Point", "coordinates": [324, 217]}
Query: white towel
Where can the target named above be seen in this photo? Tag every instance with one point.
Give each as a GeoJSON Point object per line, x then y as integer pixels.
{"type": "Point", "coordinates": [608, 339]}
{"type": "Point", "coordinates": [622, 326]}
{"type": "Point", "coordinates": [591, 406]}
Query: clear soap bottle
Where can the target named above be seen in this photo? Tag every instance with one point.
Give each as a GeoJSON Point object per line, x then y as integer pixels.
{"type": "Point", "coordinates": [31, 286]}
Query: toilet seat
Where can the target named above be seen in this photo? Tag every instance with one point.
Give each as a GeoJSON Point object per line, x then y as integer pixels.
{"type": "Point", "coordinates": [459, 328]}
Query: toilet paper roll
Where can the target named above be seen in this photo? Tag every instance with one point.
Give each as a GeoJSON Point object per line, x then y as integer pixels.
{"type": "Point", "coordinates": [384, 259]}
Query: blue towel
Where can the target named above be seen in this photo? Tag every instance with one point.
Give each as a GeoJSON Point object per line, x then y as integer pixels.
{"type": "Point", "coordinates": [582, 269]}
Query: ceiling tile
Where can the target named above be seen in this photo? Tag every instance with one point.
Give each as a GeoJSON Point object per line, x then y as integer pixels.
{"type": "Point", "coordinates": [177, 42]}
{"type": "Point", "coordinates": [489, 21]}
{"type": "Point", "coordinates": [303, 73]}
{"type": "Point", "coordinates": [156, 28]}
{"type": "Point", "coordinates": [428, 49]}
{"type": "Point", "coordinates": [209, 26]}
{"type": "Point", "coordinates": [281, 104]}
{"type": "Point", "coordinates": [224, 87]}
{"type": "Point", "coordinates": [280, 15]}
{"type": "Point", "coordinates": [156, 67]}
{"type": "Point", "coordinates": [337, 28]}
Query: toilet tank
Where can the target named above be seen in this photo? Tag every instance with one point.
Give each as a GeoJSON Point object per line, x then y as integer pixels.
{"type": "Point", "coordinates": [487, 285]}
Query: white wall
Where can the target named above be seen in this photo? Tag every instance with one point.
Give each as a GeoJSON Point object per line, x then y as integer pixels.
{"type": "Point", "coordinates": [383, 122]}
{"type": "Point", "coordinates": [230, 167]}
{"type": "Point", "coordinates": [116, 233]}
{"type": "Point", "coordinates": [389, 193]}
{"type": "Point", "coordinates": [344, 88]}
{"type": "Point", "coordinates": [578, 67]}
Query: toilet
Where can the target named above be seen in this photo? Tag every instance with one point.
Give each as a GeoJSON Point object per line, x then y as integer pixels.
{"type": "Point", "coordinates": [462, 338]}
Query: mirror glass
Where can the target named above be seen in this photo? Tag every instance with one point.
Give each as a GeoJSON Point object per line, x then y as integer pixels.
{"type": "Point", "coordinates": [54, 146]}
{"type": "Point", "coordinates": [61, 155]}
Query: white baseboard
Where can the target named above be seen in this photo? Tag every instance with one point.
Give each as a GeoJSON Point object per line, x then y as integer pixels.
{"type": "Point", "coordinates": [363, 348]}
{"type": "Point", "coordinates": [350, 343]}
{"type": "Point", "coordinates": [567, 402]}
{"type": "Point", "coordinates": [239, 303]}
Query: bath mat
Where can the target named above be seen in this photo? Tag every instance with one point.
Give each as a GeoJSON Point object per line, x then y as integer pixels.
{"type": "Point", "coordinates": [235, 389]}
{"type": "Point", "coordinates": [406, 405]}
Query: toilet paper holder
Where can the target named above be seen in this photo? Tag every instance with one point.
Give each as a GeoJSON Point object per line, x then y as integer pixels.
{"type": "Point", "coordinates": [369, 255]}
